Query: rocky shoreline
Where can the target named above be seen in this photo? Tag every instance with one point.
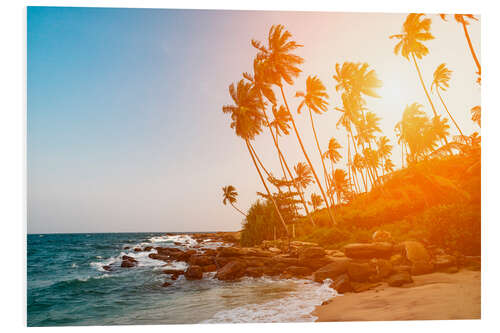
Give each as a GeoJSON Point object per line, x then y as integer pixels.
{"type": "Point", "coordinates": [358, 267]}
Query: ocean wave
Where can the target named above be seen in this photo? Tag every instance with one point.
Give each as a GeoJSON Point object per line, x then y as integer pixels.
{"type": "Point", "coordinates": [296, 307]}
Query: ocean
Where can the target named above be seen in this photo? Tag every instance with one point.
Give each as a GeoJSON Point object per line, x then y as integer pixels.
{"type": "Point", "coordinates": [67, 286]}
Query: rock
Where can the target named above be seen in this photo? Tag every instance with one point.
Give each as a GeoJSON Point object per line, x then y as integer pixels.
{"type": "Point", "coordinates": [231, 271]}
{"type": "Point", "coordinates": [229, 252]}
{"type": "Point", "coordinates": [286, 276]}
{"type": "Point", "coordinates": [415, 252]}
{"type": "Point", "coordinates": [401, 268]}
{"type": "Point", "coordinates": [302, 244]}
{"type": "Point", "coordinates": [361, 271]}
{"type": "Point", "coordinates": [311, 252]}
{"type": "Point", "coordinates": [106, 268]}
{"type": "Point", "coordinates": [368, 250]}
{"type": "Point", "coordinates": [442, 262]}
{"type": "Point", "coordinates": [254, 271]}
{"type": "Point", "coordinates": [274, 250]}
{"type": "Point", "coordinates": [157, 256]}
{"type": "Point", "coordinates": [398, 259]}
{"type": "Point", "coordinates": [335, 253]}
{"type": "Point", "coordinates": [128, 258]}
{"type": "Point", "coordinates": [400, 278]}
{"type": "Point", "coordinates": [201, 260]}
{"type": "Point", "coordinates": [315, 263]}
{"type": "Point", "coordinates": [209, 268]}
{"type": "Point", "coordinates": [421, 267]}
{"type": "Point", "coordinates": [137, 249]}
{"type": "Point", "coordinates": [255, 252]}
{"type": "Point", "coordinates": [342, 284]}
{"type": "Point", "coordinates": [284, 260]}
{"type": "Point", "coordinates": [450, 270]}
{"type": "Point", "coordinates": [148, 248]}
{"type": "Point", "coordinates": [128, 264]}
{"type": "Point", "coordinates": [174, 277]}
{"type": "Point", "coordinates": [166, 284]}
{"type": "Point", "coordinates": [359, 287]}
{"type": "Point", "coordinates": [332, 270]}
{"type": "Point", "coordinates": [382, 236]}
{"type": "Point", "coordinates": [194, 272]}
{"type": "Point", "coordinates": [173, 271]}
{"type": "Point", "coordinates": [257, 261]}
{"type": "Point", "coordinates": [383, 268]}
{"type": "Point", "coordinates": [472, 262]}
{"type": "Point", "coordinates": [298, 271]}
{"type": "Point", "coordinates": [126, 247]}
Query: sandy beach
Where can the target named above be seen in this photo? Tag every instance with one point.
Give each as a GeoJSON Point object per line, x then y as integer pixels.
{"type": "Point", "coordinates": [436, 296]}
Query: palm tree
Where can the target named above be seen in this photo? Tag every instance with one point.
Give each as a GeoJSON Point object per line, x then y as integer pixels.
{"type": "Point", "coordinates": [388, 166]}
{"type": "Point", "coordinates": [283, 65]}
{"type": "Point", "coordinates": [440, 128]}
{"type": "Point", "coordinates": [247, 120]}
{"type": "Point", "coordinates": [462, 19]}
{"type": "Point", "coordinates": [441, 81]}
{"type": "Point", "coordinates": [476, 114]}
{"type": "Point", "coordinates": [341, 184]}
{"type": "Point", "coordinates": [383, 151]}
{"type": "Point", "coordinates": [316, 201]}
{"type": "Point", "coordinates": [416, 30]}
{"type": "Point", "coordinates": [229, 195]}
{"type": "Point", "coordinates": [315, 100]}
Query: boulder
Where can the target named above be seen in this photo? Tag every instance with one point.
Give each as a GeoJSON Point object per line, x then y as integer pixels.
{"type": "Point", "coordinates": [194, 272]}
{"type": "Point", "coordinates": [137, 249]}
{"type": "Point", "coordinates": [166, 284]}
{"type": "Point", "coordinates": [400, 278]}
{"type": "Point", "coordinates": [421, 267]}
{"type": "Point", "coordinates": [471, 262]}
{"type": "Point", "coordinates": [415, 252]}
{"type": "Point", "coordinates": [229, 252]}
{"type": "Point", "coordinates": [311, 252]}
{"type": "Point", "coordinates": [302, 244]}
{"type": "Point", "coordinates": [315, 263]}
{"type": "Point", "coordinates": [368, 250]}
{"type": "Point", "coordinates": [342, 284]}
{"type": "Point", "coordinates": [128, 264]}
{"type": "Point", "coordinates": [148, 248]}
{"type": "Point", "coordinates": [401, 268]}
{"type": "Point", "coordinates": [274, 250]}
{"type": "Point", "coordinates": [257, 261]}
{"type": "Point", "coordinates": [383, 268]}
{"type": "Point", "coordinates": [106, 268]}
{"type": "Point", "coordinates": [442, 262]}
{"type": "Point", "coordinates": [298, 271]}
{"type": "Point", "coordinates": [157, 256]}
{"type": "Point", "coordinates": [173, 271]}
{"type": "Point", "coordinates": [209, 268]}
{"type": "Point", "coordinates": [231, 271]}
{"type": "Point", "coordinates": [359, 287]}
{"type": "Point", "coordinates": [284, 260]}
{"type": "Point", "coordinates": [128, 258]}
{"type": "Point", "coordinates": [335, 253]}
{"type": "Point", "coordinates": [201, 260]}
{"type": "Point", "coordinates": [382, 236]}
{"type": "Point", "coordinates": [254, 271]}
{"type": "Point", "coordinates": [256, 252]}
{"type": "Point", "coordinates": [361, 271]}
{"type": "Point", "coordinates": [332, 270]}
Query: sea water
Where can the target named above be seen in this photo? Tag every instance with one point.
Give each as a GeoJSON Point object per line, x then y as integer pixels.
{"type": "Point", "coordinates": [67, 285]}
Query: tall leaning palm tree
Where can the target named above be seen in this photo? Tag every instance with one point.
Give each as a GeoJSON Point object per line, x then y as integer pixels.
{"type": "Point", "coordinates": [283, 66]}
{"type": "Point", "coordinates": [441, 81]}
{"type": "Point", "coordinates": [229, 195]}
{"type": "Point", "coordinates": [462, 19]}
{"type": "Point", "coordinates": [416, 29]}
{"type": "Point", "coordinates": [314, 98]}
{"type": "Point", "coordinates": [247, 121]}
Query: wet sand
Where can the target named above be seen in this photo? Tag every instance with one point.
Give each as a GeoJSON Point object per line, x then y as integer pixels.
{"type": "Point", "coordinates": [436, 296]}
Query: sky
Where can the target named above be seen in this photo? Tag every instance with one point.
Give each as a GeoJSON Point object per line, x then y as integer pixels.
{"type": "Point", "coordinates": [125, 130]}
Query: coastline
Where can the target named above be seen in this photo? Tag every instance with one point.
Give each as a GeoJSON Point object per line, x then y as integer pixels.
{"type": "Point", "coordinates": [435, 296]}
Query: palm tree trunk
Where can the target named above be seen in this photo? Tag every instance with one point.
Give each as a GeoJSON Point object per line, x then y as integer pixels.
{"type": "Point", "coordinates": [423, 85]}
{"type": "Point", "coordinates": [478, 65]}
{"type": "Point", "coordinates": [282, 158]}
{"type": "Point", "coordinates": [327, 181]}
{"type": "Point", "coordinates": [238, 209]}
{"type": "Point", "coordinates": [251, 151]}
{"type": "Point", "coordinates": [307, 158]}
{"type": "Point", "coordinates": [449, 114]}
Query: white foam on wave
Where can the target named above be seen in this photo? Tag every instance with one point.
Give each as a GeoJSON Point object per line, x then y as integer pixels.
{"type": "Point", "coordinates": [85, 279]}
{"type": "Point", "coordinates": [185, 240]}
{"type": "Point", "coordinates": [296, 307]}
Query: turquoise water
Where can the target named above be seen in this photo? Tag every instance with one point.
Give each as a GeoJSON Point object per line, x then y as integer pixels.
{"type": "Point", "coordinates": [68, 286]}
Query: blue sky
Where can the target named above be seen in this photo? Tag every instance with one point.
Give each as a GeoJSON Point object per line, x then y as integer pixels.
{"type": "Point", "coordinates": [125, 129]}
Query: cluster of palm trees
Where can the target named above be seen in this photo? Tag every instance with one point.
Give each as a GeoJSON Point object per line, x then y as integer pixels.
{"type": "Point", "coordinates": [257, 105]}
{"type": "Point", "coordinates": [419, 135]}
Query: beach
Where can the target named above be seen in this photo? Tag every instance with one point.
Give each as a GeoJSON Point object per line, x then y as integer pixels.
{"type": "Point", "coordinates": [435, 296]}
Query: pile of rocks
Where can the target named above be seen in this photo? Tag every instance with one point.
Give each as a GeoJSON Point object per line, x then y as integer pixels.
{"type": "Point", "coordinates": [358, 267]}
